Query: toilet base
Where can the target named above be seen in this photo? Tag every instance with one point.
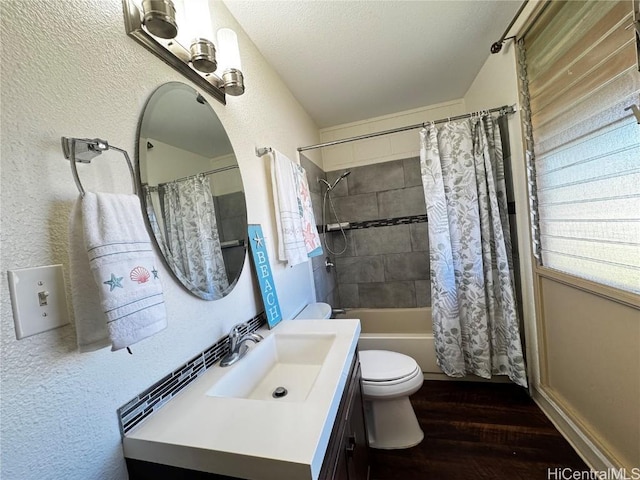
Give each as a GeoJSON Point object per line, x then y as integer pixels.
{"type": "Point", "coordinates": [392, 424]}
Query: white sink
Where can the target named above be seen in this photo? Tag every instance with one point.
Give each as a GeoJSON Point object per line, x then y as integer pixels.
{"type": "Point", "coordinates": [281, 361]}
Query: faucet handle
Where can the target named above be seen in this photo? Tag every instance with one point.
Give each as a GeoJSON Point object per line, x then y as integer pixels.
{"type": "Point", "coordinates": [235, 330]}
{"type": "Point", "coordinates": [234, 334]}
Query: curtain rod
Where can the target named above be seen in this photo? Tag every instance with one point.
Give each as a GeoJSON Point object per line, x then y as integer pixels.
{"type": "Point", "coordinates": [497, 46]}
{"type": "Point", "coordinates": [504, 110]}
{"type": "Point", "coordinates": [152, 188]}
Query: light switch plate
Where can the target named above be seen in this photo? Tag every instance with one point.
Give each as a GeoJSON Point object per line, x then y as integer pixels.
{"type": "Point", "coordinates": [38, 299]}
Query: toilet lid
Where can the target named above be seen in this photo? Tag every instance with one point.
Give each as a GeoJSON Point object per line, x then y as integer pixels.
{"type": "Point", "coordinates": [383, 365]}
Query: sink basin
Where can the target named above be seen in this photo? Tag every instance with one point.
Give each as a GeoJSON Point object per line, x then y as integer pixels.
{"type": "Point", "coordinates": [281, 361]}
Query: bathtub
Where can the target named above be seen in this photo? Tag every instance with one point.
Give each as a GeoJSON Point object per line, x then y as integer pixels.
{"type": "Point", "coordinates": [404, 330]}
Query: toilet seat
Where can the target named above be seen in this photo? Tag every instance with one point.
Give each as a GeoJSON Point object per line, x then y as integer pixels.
{"type": "Point", "coordinates": [384, 365]}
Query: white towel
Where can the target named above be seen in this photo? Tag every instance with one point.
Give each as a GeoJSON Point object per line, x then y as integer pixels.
{"type": "Point", "coordinates": [291, 245]}
{"type": "Point", "coordinates": [124, 303]}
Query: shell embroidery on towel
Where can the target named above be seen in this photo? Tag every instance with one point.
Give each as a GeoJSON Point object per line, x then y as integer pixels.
{"type": "Point", "coordinates": [138, 275]}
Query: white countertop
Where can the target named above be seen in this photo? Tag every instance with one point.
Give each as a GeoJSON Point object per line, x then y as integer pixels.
{"type": "Point", "coordinates": [255, 439]}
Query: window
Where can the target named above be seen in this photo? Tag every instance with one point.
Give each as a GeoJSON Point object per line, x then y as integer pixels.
{"type": "Point", "coordinates": [581, 76]}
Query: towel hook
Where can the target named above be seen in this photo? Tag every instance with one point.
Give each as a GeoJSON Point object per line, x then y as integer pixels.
{"type": "Point", "coordinates": [83, 150]}
{"type": "Point", "coordinates": [263, 151]}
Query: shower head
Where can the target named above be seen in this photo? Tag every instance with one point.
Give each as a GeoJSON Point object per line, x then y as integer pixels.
{"type": "Point", "coordinates": [325, 182]}
{"type": "Point", "coordinates": [344, 175]}
{"type": "Point", "coordinates": [329, 185]}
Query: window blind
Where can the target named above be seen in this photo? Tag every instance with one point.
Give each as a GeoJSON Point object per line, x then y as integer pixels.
{"type": "Point", "coordinates": [581, 73]}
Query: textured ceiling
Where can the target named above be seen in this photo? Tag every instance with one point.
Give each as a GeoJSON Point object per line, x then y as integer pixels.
{"type": "Point", "coordinates": [349, 60]}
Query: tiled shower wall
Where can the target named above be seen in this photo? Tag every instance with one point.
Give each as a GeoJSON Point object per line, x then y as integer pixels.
{"type": "Point", "coordinates": [383, 266]}
{"type": "Point", "coordinates": [231, 215]}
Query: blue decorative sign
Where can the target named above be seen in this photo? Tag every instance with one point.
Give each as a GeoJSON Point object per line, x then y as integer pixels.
{"type": "Point", "coordinates": [265, 278]}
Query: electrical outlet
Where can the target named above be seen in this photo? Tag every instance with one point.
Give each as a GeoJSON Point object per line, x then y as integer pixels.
{"type": "Point", "coordinates": [38, 299]}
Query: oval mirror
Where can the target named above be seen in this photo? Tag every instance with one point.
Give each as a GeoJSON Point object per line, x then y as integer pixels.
{"type": "Point", "coordinates": [192, 190]}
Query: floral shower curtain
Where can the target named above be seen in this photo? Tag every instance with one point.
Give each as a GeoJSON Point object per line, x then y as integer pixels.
{"type": "Point", "coordinates": [192, 233]}
{"type": "Point", "coordinates": [472, 284]}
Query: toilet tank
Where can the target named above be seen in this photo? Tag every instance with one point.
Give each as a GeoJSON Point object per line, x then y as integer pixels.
{"type": "Point", "coordinates": [314, 311]}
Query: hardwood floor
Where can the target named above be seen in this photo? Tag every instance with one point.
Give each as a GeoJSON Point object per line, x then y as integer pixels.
{"type": "Point", "coordinates": [477, 431]}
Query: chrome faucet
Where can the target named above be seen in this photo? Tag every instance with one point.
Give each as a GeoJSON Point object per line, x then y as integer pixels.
{"type": "Point", "coordinates": [238, 344]}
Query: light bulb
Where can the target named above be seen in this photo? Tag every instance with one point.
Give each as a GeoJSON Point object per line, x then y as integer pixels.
{"type": "Point", "coordinates": [228, 51]}
{"type": "Point", "coordinates": [230, 67]}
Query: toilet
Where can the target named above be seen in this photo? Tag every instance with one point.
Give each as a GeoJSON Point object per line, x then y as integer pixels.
{"type": "Point", "coordinates": [388, 378]}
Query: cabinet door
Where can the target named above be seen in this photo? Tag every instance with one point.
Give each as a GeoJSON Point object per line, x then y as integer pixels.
{"type": "Point", "coordinates": [342, 465]}
{"type": "Point", "coordinates": [347, 452]}
{"type": "Point", "coordinates": [357, 445]}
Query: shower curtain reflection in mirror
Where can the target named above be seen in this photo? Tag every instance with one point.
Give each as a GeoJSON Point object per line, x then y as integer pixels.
{"type": "Point", "coordinates": [191, 233]}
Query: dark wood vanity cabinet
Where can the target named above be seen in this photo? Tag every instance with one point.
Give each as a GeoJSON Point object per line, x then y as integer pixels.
{"type": "Point", "coordinates": [347, 456]}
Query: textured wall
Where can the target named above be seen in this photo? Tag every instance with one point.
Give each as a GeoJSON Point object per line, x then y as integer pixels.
{"type": "Point", "coordinates": [69, 69]}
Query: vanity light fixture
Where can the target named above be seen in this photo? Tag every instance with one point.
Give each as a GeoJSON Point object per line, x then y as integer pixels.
{"type": "Point", "coordinates": [179, 32]}
{"type": "Point", "coordinates": [230, 67]}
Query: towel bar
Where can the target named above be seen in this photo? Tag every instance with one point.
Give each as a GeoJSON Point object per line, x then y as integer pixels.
{"type": "Point", "coordinates": [83, 150]}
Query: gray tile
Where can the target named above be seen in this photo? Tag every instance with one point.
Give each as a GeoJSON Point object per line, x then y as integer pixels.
{"type": "Point", "coordinates": [313, 173]}
{"type": "Point", "coordinates": [342, 187]}
{"type": "Point", "coordinates": [387, 295]}
{"type": "Point", "coordinates": [233, 228]}
{"type": "Point", "coordinates": [381, 240]}
{"type": "Point", "coordinates": [233, 261]}
{"type": "Point", "coordinates": [327, 243]}
{"type": "Point", "coordinates": [316, 203]}
{"type": "Point", "coordinates": [333, 298]}
{"type": "Point", "coordinates": [354, 208]}
{"type": "Point", "coordinates": [359, 269]}
{"type": "Point", "coordinates": [419, 237]}
{"type": "Point", "coordinates": [376, 178]}
{"type": "Point", "coordinates": [406, 266]}
{"type": "Point", "coordinates": [318, 261]}
{"type": "Point", "coordinates": [348, 293]}
{"type": "Point", "coordinates": [423, 293]}
{"type": "Point", "coordinates": [232, 205]}
{"type": "Point", "coordinates": [324, 282]}
{"type": "Point", "coordinates": [412, 175]}
{"type": "Point", "coordinates": [337, 244]}
{"type": "Point", "coordinates": [401, 203]}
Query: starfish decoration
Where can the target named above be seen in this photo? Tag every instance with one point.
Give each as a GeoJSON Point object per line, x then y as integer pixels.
{"type": "Point", "coordinates": [258, 239]}
{"type": "Point", "coordinates": [155, 272]}
{"type": "Point", "coordinates": [309, 236]}
{"type": "Point", "coordinates": [114, 282]}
